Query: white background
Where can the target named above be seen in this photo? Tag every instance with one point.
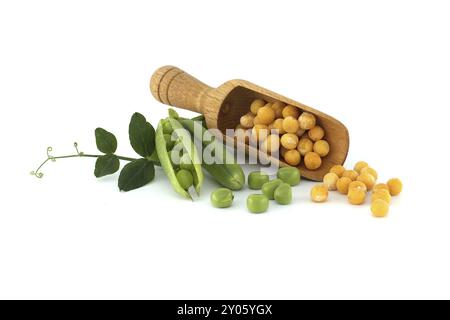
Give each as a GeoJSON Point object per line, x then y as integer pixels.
{"type": "Point", "coordinates": [66, 67]}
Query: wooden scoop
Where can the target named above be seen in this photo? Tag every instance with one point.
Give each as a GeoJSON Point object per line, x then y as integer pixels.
{"type": "Point", "coordinates": [223, 107]}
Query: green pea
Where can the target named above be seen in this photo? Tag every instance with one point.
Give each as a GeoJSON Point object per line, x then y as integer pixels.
{"type": "Point", "coordinates": [186, 162]}
{"type": "Point", "coordinates": [185, 179]}
{"type": "Point", "coordinates": [257, 203]}
{"type": "Point", "coordinates": [222, 198]}
{"type": "Point", "coordinates": [268, 188]}
{"type": "Point", "coordinates": [256, 179]}
{"type": "Point", "coordinates": [283, 194]}
{"type": "Point", "coordinates": [290, 175]}
{"type": "Point", "coordinates": [167, 127]}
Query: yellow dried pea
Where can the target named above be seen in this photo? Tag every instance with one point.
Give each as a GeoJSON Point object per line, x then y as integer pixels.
{"type": "Point", "coordinates": [304, 146]}
{"type": "Point", "coordinates": [356, 196]}
{"type": "Point", "coordinates": [277, 125]}
{"type": "Point", "coordinates": [316, 133]}
{"type": "Point", "coordinates": [291, 111]}
{"type": "Point", "coordinates": [395, 186]}
{"type": "Point", "coordinates": [278, 107]}
{"type": "Point", "coordinates": [371, 171]}
{"type": "Point", "coordinates": [342, 184]}
{"type": "Point", "coordinates": [271, 144]}
{"type": "Point", "coordinates": [289, 141]}
{"type": "Point", "coordinates": [292, 157]}
{"type": "Point", "coordinates": [330, 180]}
{"type": "Point", "coordinates": [319, 193]}
{"type": "Point", "coordinates": [300, 132]}
{"type": "Point", "coordinates": [322, 148]}
{"type": "Point", "coordinates": [379, 186]}
{"type": "Point", "coordinates": [307, 121]}
{"type": "Point", "coordinates": [246, 120]}
{"type": "Point", "coordinates": [367, 179]}
{"type": "Point", "coordinates": [312, 161]}
{"type": "Point", "coordinates": [357, 185]}
{"type": "Point", "coordinates": [260, 132]}
{"type": "Point", "coordinates": [266, 115]}
{"type": "Point", "coordinates": [379, 208]}
{"type": "Point", "coordinates": [352, 174]}
{"type": "Point", "coordinates": [256, 121]}
{"type": "Point", "coordinates": [290, 124]}
{"type": "Point", "coordinates": [360, 165]}
{"type": "Point", "coordinates": [338, 169]}
{"type": "Point", "coordinates": [256, 105]}
{"type": "Point", "coordinates": [381, 194]}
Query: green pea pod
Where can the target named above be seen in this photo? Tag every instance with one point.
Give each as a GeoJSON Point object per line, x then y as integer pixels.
{"type": "Point", "coordinates": [229, 174]}
{"type": "Point", "coordinates": [166, 163]}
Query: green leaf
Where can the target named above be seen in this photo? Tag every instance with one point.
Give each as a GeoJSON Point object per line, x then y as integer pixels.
{"type": "Point", "coordinates": [106, 141]}
{"type": "Point", "coordinates": [136, 174]}
{"type": "Point", "coordinates": [105, 165]}
{"type": "Point", "coordinates": [142, 135]}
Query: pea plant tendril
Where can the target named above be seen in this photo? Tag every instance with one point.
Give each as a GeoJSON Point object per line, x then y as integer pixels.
{"type": "Point", "coordinates": [136, 173]}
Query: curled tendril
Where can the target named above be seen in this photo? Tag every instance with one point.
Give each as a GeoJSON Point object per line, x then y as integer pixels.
{"type": "Point", "coordinates": [75, 144]}
{"type": "Point", "coordinates": [49, 156]}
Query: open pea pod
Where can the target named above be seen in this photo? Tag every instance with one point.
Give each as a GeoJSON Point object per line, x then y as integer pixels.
{"type": "Point", "coordinates": [228, 173]}
{"type": "Point", "coordinates": [182, 137]}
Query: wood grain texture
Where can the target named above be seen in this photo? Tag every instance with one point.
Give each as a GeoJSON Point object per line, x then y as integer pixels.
{"type": "Point", "coordinates": [223, 107]}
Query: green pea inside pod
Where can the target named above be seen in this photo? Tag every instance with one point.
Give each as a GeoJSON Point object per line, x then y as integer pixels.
{"type": "Point", "coordinates": [268, 188]}
{"type": "Point", "coordinates": [283, 194]}
{"type": "Point", "coordinates": [289, 175]}
{"type": "Point", "coordinates": [185, 179]}
{"type": "Point", "coordinates": [186, 162]}
{"type": "Point", "coordinates": [222, 198]}
{"type": "Point", "coordinates": [256, 179]}
{"type": "Point", "coordinates": [257, 203]}
{"type": "Point", "coordinates": [166, 126]}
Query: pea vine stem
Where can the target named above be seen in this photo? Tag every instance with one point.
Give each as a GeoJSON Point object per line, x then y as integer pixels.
{"type": "Point", "coordinates": [79, 154]}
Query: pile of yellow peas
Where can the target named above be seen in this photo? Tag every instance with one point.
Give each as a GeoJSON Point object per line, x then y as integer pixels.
{"type": "Point", "coordinates": [285, 128]}
{"type": "Point", "coordinates": [356, 184]}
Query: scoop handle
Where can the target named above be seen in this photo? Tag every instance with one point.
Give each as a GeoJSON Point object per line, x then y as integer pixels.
{"type": "Point", "coordinates": [174, 87]}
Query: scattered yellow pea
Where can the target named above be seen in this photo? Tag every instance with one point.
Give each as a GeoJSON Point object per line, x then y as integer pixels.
{"type": "Point", "coordinates": [304, 146]}
{"type": "Point", "coordinates": [356, 196]}
{"type": "Point", "coordinates": [266, 115]}
{"type": "Point", "coordinates": [321, 147]}
{"type": "Point", "coordinates": [371, 171]}
{"type": "Point", "coordinates": [292, 157]}
{"type": "Point", "coordinates": [256, 105]}
{"type": "Point", "coordinates": [307, 121]}
{"type": "Point", "coordinates": [367, 179]}
{"type": "Point", "coordinates": [379, 186]}
{"type": "Point", "coordinates": [278, 107]}
{"type": "Point", "coordinates": [352, 174]}
{"type": "Point", "coordinates": [290, 124]}
{"type": "Point", "coordinates": [312, 161]}
{"type": "Point", "coordinates": [342, 184]}
{"type": "Point", "coordinates": [381, 194]}
{"type": "Point", "coordinates": [316, 133]}
{"type": "Point", "coordinates": [289, 141]}
{"type": "Point", "coordinates": [291, 111]}
{"type": "Point", "coordinates": [360, 165]}
{"type": "Point", "coordinates": [395, 186]}
{"type": "Point", "coordinates": [357, 185]}
{"type": "Point", "coordinates": [319, 193]}
{"type": "Point", "coordinates": [379, 208]}
{"type": "Point", "coordinates": [246, 120]}
{"type": "Point", "coordinates": [330, 180]}
{"type": "Point", "coordinates": [338, 169]}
